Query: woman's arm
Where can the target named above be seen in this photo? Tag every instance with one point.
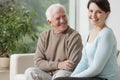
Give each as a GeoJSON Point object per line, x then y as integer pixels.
{"type": "Point", "coordinates": [102, 54]}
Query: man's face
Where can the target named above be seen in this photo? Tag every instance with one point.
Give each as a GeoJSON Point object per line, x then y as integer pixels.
{"type": "Point", "coordinates": [59, 21]}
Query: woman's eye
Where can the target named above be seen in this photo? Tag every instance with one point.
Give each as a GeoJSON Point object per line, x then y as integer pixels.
{"type": "Point", "coordinates": [90, 10]}
{"type": "Point", "coordinates": [98, 11]}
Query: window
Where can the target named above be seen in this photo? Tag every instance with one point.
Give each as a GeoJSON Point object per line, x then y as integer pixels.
{"type": "Point", "coordinates": [38, 7]}
{"type": "Point", "coordinates": [39, 20]}
{"type": "Point", "coordinates": [82, 22]}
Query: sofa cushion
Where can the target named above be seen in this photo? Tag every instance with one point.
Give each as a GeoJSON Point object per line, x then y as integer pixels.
{"type": "Point", "coordinates": [19, 77]}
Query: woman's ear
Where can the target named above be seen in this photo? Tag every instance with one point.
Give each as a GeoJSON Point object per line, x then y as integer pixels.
{"type": "Point", "coordinates": [107, 14]}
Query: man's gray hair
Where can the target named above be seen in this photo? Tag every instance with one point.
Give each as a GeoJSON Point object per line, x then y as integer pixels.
{"type": "Point", "coordinates": [52, 8]}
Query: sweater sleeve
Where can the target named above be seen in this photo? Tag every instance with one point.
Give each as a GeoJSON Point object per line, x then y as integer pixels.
{"type": "Point", "coordinates": [40, 60]}
{"type": "Point", "coordinates": [75, 48]}
{"type": "Point", "coordinates": [82, 65]}
{"type": "Point", "coordinates": [102, 54]}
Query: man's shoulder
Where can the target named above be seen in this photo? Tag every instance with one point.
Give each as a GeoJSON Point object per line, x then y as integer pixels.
{"type": "Point", "coordinates": [46, 32]}
{"type": "Point", "coordinates": [72, 32]}
{"type": "Point", "coordinates": [73, 36]}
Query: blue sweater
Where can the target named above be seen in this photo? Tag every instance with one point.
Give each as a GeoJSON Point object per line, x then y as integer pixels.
{"type": "Point", "coordinates": [99, 57]}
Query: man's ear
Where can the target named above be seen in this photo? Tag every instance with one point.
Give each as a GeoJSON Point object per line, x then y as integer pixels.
{"type": "Point", "coordinates": [49, 22]}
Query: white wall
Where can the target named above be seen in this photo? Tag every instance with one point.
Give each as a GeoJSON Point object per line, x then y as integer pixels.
{"type": "Point", "coordinates": [83, 25]}
{"type": "Point", "coordinates": [72, 13]}
{"type": "Point", "coordinates": [113, 21]}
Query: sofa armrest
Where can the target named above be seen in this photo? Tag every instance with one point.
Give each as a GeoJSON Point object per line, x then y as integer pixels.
{"type": "Point", "coordinates": [19, 63]}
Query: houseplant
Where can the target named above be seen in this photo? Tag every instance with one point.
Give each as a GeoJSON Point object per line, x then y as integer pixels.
{"type": "Point", "coordinates": [15, 22]}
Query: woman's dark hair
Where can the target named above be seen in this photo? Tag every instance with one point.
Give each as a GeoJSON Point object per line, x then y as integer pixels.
{"type": "Point", "coordinates": [102, 4]}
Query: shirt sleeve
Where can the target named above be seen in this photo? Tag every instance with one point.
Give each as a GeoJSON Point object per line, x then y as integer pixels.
{"type": "Point", "coordinates": [102, 54]}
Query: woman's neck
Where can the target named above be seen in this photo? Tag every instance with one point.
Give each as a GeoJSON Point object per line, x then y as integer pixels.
{"type": "Point", "coordinates": [99, 27]}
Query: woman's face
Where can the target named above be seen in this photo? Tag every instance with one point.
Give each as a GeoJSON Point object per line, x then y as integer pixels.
{"type": "Point", "coordinates": [96, 15]}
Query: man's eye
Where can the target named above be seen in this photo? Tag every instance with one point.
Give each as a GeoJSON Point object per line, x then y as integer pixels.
{"type": "Point", "coordinates": [57, 18]}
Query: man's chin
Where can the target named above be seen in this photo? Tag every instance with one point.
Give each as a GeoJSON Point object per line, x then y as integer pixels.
{"type": "Point", "coordinates": [64, 27]}
{"type": "Point", "coordinates": [63, 30]}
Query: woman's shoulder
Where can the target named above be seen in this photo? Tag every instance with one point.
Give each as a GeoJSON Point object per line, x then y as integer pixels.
{"type": "Point", "coordinates": [107, 32]}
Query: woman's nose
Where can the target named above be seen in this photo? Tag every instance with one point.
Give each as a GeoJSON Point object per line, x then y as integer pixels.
{"type": "Point", "coordinates": [93, 14]}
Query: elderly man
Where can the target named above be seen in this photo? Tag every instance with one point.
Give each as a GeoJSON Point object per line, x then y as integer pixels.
{"type": "Point", "coordinates": [58, 49]}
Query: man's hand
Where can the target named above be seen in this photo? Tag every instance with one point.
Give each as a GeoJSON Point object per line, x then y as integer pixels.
{"type": "Point", "coordinates": [66, 65]}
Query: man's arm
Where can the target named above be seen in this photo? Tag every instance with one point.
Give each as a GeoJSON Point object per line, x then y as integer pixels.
{"type": "Point", "coordinates": [75, 47]}
{"type": "Point", "coordinates": [40, 60]}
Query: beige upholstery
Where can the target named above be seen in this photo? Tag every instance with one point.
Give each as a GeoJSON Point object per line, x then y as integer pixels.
{"type": "Point", "coordinates": [20, 62]}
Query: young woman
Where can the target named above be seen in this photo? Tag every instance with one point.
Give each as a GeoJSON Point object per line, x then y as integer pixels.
{"type": "Point", "coordinates": [99, 56]}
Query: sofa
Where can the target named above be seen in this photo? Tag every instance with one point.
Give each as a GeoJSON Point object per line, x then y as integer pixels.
{"type": "Point", "coordinates": [20, 62]}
